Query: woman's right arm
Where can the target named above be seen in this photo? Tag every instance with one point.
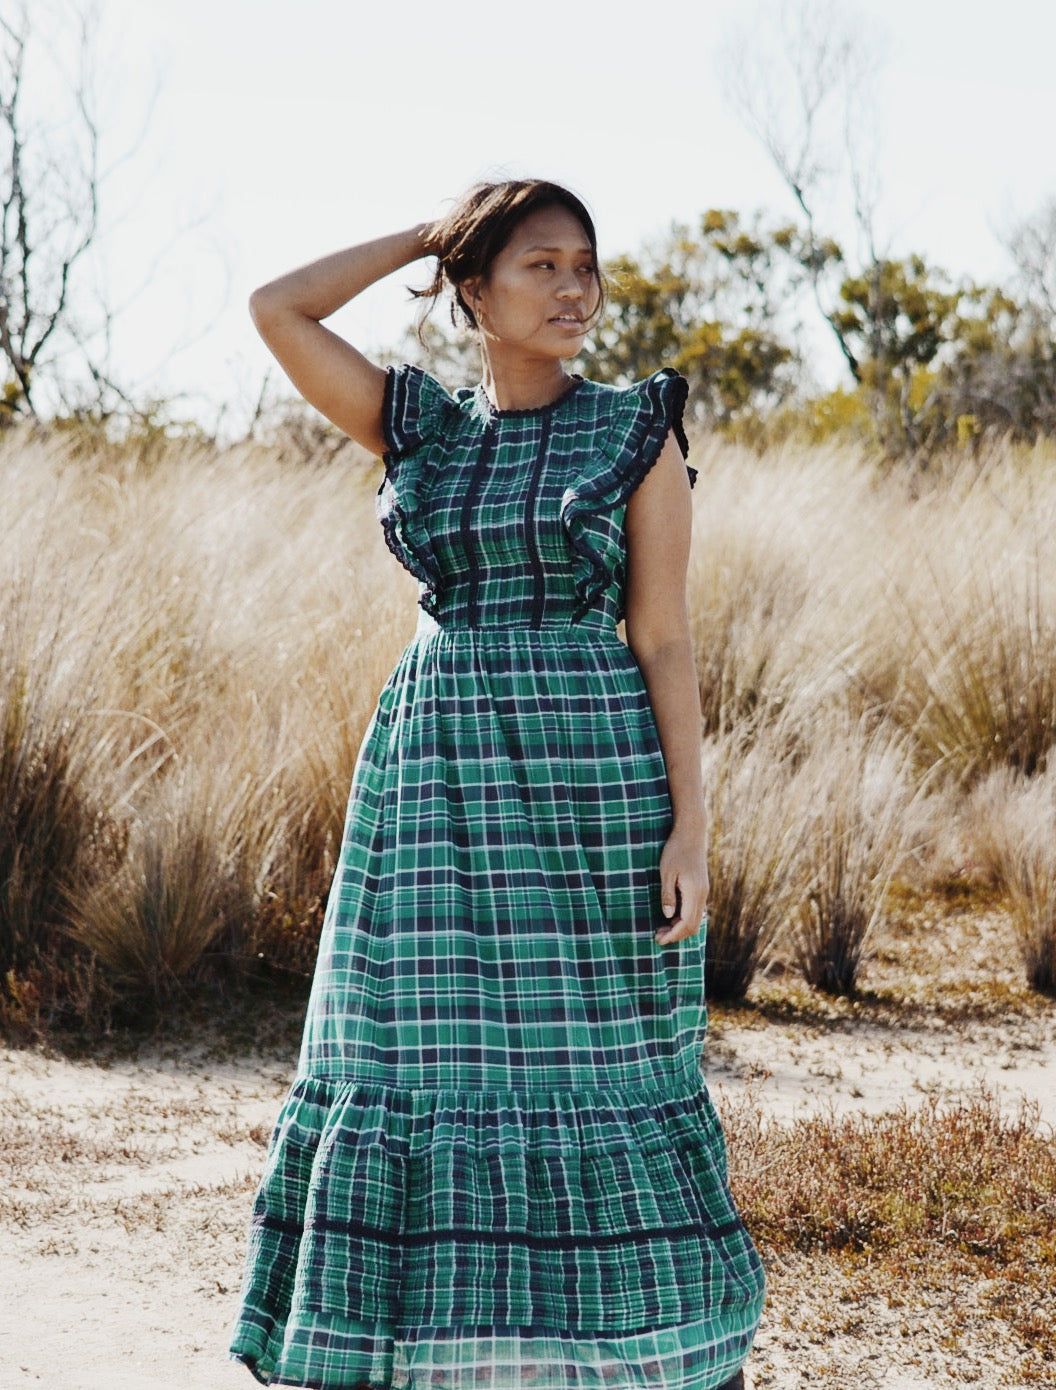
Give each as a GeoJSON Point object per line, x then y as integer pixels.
{"type": "Point", "coordinates": [328, 372]}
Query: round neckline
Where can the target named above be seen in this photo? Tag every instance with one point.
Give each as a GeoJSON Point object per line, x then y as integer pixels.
{"type": "Point", "coordinates": [495, 413]}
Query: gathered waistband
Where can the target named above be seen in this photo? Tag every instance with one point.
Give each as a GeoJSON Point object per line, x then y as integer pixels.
{"type": "Point", "coordinates": [429, 627]}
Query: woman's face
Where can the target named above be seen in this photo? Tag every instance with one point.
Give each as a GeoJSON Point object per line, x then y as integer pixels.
{"type": "Point", "coordinates": [542, 288]}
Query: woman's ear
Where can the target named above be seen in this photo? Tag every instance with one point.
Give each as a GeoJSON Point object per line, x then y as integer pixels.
{"type": "Point", "coordinates": [469, 292]}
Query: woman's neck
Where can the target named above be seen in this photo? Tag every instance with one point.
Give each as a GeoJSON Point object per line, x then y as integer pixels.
{"type": "Point", "coordinates": [523, 385]}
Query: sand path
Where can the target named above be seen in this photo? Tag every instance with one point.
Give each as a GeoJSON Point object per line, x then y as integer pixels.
{"type": "Point", "coordinates": [127, 1188]}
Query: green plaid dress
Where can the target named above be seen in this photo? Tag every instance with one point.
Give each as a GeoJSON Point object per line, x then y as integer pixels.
{"type": "Point", "coordinates": [498, 1164]}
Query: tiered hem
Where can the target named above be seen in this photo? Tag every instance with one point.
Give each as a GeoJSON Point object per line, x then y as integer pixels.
{"type": "Point", "coordinates": [564, 1239]}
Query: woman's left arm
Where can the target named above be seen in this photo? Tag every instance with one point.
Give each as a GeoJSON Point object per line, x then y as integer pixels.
{"type": "Point", "coordinates": [658, 528]}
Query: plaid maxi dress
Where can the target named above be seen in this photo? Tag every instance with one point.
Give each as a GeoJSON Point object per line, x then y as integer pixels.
{"type": "Point", "coordinates": [498, 1164]}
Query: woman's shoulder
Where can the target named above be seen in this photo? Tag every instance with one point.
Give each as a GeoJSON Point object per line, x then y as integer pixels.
{"type": "Point", "coordinates": [417, 407]}
{"type": "Point", "coordinates": [657, 398]}
{"type": "Point", "coordinates": [634, 390]}
{"type": "Point", "coordinates": [635, 419]}
{"type": "Point", "coordinates": [663, 392]}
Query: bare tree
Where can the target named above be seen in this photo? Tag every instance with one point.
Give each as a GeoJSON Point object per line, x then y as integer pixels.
{"type": "Point", "coordinates": [1032, 246]}
{"type": "Point", "coordinates": [49, 209]}
{"type": "Point", "coordinates": [798, 73]}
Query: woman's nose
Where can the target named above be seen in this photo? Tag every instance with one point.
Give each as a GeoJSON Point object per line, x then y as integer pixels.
{"type": "Point", "coordinates": [570, 288]}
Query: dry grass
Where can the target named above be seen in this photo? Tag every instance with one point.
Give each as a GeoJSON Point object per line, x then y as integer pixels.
{"type": "Point", "coordinates": [916, 1243]}
{"type": "Point", "coordinates": [194, 643]}
{"type": "Point", "coordinates": [192, 651]}
{"type": "Point", "coordinates": [965, 1176]}
{"type": "Point", "coordinates": [982, 692]}
{"type": "Point", "coordinates": [756, 845]}
{"type": "Point", "coordinates": [889, 1213]}
{"type": "Point", "coordinates": [1011, 822]}
{"type": "Point", "coordinates": [200, 852]}
{"type": "Point", "coordinates": [852, 798]}
{"type": "Point", "coordinates": [192, 646]}
{"type": "Point", "coordinates": [51, 814]}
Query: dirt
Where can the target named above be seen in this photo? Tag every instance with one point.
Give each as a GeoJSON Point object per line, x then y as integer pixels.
{"type": "Point", "coordinates": [127, 1185]}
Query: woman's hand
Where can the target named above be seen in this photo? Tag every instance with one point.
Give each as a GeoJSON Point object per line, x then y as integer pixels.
{"type": "Point", "coordinates": [427, 235]}
{"type": "Point", "coordinates": [684, 884]}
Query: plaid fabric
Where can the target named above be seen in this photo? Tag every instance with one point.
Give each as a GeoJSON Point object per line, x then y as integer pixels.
{"type": "Point", "coordinates": [498, 1164]}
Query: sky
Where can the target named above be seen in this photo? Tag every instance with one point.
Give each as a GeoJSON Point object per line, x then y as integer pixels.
{"type": "Point", "coordinates": [244, 137]}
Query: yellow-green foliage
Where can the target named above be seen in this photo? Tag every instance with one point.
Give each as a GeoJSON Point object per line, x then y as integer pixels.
{"type": "Point", "coordinates": [839, 416]}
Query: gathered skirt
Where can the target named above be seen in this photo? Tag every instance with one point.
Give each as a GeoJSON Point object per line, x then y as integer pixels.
{"type": "Point", "coordinates": [498, 1164]}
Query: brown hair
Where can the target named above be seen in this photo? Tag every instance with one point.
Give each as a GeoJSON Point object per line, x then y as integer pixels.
{"type": "Point", "coordinates": [480, 225]}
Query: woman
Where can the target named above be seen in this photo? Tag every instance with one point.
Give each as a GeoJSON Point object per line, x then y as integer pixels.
{"type": "Point", "coordinates": [498, 1164]}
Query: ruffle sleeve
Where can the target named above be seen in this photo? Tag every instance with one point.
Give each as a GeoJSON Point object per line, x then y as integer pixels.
{"type": "Point", "coordinates": [414, 408]}
{"type": "Point", "coordinates": [642, 417]}
{"type": "Point", "coordinates": [415, 411]}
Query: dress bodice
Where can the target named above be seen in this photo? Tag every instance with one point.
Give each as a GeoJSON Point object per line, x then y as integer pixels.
{"type": "Point", "coordinates": [516, 518]}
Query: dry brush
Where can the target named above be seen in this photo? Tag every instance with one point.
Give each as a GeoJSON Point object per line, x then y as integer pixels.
{"type": "Point", "coordinates": [192, 645]}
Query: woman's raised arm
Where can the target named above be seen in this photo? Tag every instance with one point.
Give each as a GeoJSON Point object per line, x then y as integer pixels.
{"type": "Point", "coordinates": [329, 373]}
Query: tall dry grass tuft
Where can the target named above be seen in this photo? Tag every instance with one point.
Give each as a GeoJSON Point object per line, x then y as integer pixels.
{"type": "Point", "coordinates": [204, 637]}
{"type": "Point", "coordinates": [332, 706]}
{"type": "Point", "coordinates": [200, 850]}
{"type": "Point", "coordinates": [981, 692]}
{"type": "Point", "coordinates": [756, 840]}
{"type": "Point", "coordinates": [1010, 824]}
{"type": "Point", "coordinates": [853, 796]}
{"type": "Point", "coordinates": [55, 827]}
{"type": "Point", "coordinates": [770, 585]}
{"type": "Point", "coordinates": [960, 650]}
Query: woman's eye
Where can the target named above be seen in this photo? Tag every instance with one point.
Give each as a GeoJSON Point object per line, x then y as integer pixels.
{"type": "Point", "coordinates": [542, 265]}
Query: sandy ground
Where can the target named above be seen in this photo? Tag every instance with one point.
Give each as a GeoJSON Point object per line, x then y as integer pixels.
{"type": "Point", "coordinates": [127, 1187]}
{"type": "Point", "coordinates": [123, 1217]}
{"type": "Point", "coordinates": [866, 1066]}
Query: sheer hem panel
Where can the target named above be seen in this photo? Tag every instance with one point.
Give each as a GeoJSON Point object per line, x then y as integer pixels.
{"type": "Point", "coordinates": [324, 1354]}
